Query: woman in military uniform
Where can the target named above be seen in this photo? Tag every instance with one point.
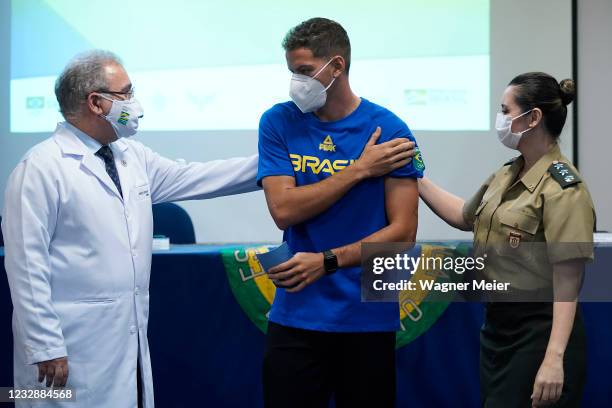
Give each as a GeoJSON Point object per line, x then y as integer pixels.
{"type": "Point", "coordinates": [532, 353]}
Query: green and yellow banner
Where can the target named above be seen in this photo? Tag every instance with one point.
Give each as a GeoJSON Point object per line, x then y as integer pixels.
{"type": "Point", "coordinates": [418, 309]}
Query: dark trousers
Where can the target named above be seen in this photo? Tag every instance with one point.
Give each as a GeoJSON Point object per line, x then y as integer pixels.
{"type": "Point", "coordinates": [305, 368]}
{"type": "Point", "coordinates": [513, 344]}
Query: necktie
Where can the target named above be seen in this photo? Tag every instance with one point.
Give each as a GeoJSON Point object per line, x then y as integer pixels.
{"type": "Point", "coordinates": [106, 154]}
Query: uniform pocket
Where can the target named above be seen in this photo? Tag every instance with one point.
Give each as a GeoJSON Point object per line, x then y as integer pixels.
{"type": "Point", "coordinates": [520, 221]}
{"type": "Point", "coordinates": [518, 230]}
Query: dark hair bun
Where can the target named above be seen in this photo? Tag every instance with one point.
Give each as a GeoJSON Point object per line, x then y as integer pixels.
{"type": "Point", "coordinates": [568, 91]}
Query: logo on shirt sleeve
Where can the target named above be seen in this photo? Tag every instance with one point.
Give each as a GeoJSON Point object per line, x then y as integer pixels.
{"type": "Point", "coordinates": [327, 145]}
{"type": "Point", "coordinates": [418, 160]}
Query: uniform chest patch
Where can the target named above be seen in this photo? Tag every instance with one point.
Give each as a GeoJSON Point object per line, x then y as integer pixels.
{"type": "Point", "coordinates": [514, 239]}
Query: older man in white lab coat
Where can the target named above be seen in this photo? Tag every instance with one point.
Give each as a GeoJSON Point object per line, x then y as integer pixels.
{"type": "Point", "coordinates": [78, 232]}
{"type": "Point", "coordinates": [78, 227]}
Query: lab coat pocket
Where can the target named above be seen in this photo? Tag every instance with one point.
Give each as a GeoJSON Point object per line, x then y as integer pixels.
{"type": "Point", "coordinates": [141, 193]}
{"type": "Point", "coordinates": [96, 300]}
{"type": "Point", "coordinates": [91, 327]}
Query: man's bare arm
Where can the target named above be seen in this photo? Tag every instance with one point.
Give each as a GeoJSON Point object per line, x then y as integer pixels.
{"type": "Point", "coordinates": [402, 206]}
{"type": "Point", "coordinates": [290, 205]}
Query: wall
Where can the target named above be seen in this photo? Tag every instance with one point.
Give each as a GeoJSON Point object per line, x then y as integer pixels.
{"type": "Point", "coordinates": [594, 92]}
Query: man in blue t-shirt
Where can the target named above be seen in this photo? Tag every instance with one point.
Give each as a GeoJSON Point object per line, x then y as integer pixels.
{"type": "Point", "coordinates": [322, 339]}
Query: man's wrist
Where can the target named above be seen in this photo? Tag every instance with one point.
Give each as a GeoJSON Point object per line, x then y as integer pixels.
{"type": "Point", "coordinates": [360, 173]}
{"type": "Point", "coordinates": [46, 355]}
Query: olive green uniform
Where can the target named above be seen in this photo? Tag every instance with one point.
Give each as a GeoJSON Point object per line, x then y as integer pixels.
{"type": "Point", "coordinates": [549, 204]}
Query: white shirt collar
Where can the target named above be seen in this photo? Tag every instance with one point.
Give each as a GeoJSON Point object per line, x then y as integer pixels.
{"type": "Point", "coordinates": [92, 144]}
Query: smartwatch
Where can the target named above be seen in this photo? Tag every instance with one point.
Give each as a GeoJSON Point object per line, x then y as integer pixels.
{"type": "Point", "coordinates": [330, 262]}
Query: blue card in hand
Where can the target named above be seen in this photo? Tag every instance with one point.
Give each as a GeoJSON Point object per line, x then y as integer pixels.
{"type": "Point", "coordinates": [275, 257]}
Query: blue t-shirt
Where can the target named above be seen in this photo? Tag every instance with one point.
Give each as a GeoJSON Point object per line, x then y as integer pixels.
{"type": "Point", "coordinates": [295, 144]}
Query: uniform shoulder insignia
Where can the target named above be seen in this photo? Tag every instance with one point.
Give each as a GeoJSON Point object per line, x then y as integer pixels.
{"type": "Point", "coordinates": [564, 175]}
{"type": "Point", "coordinates": [510, 161]}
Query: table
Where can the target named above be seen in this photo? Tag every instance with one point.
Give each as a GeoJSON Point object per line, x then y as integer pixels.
{"type": "Point", "coordinates": [206, 352]}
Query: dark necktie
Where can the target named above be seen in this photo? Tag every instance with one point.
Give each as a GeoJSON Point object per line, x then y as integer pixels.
{"type": "Point", "coordinates": [106, 154]}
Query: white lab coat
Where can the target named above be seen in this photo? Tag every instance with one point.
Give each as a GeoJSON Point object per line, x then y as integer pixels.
{"type": "Point", "coordinates": [78, 258]}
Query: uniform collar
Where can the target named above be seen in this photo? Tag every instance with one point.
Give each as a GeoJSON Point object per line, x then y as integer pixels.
{"type": "Point", "coordinates": [532, 178]}
{"type": "Point", "coordinates": [74, 141]}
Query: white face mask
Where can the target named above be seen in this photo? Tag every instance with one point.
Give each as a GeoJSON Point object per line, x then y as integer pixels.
{"type": "Point", "coordinates": [308, 93]}
{"type": "Point", "coordinates": [503, 125]}
{"type": "Point", "coordinates": [123, 116]}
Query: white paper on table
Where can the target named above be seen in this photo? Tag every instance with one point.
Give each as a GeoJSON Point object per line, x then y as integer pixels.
{"type": "Point", "coordinates": [602, 237]}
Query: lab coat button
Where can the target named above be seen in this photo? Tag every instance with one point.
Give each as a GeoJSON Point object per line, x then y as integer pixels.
{"type": "Point", "coordinates": [133, 330]}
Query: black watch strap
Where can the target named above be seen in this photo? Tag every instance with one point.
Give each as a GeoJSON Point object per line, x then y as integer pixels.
{"type": "Point", "coordinates": [330, 262]}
